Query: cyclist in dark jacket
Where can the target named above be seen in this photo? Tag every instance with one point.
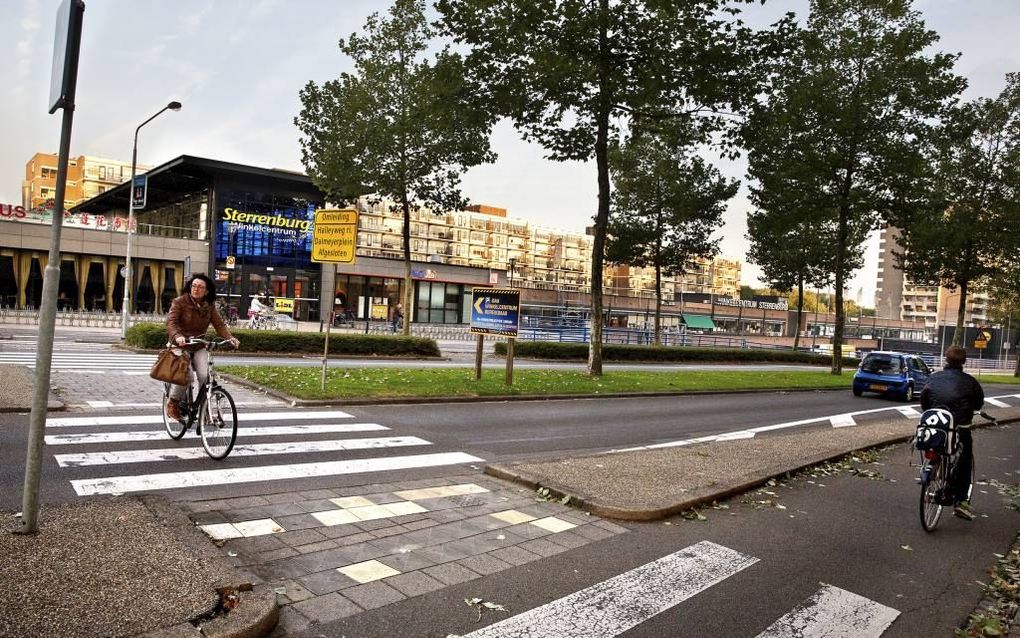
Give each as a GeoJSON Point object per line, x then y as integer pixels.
{"type": "Point", "coordinates": [961, 394]}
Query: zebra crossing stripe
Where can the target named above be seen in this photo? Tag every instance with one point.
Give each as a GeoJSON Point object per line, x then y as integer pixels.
{"type": "Point", "coordinates": [242, 417]}
{"type": "Point", "coordinates": [908, 412]}
{"type": "Point", "coordinates": [207, 478]}
{"type": "Point", "coordinates": [832, 611]}
{"type": "Point", "coordinates": [160, 435]}
{"type": "Point", "coordinates": [613, 606]}
{"type": "Point", "coordinates": [180, 454]}
{"type": "Point", "coordinates": [997, 403]}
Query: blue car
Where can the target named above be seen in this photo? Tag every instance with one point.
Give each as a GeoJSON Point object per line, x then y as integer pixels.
{"type": "Point", "coordinates": [894, 374]}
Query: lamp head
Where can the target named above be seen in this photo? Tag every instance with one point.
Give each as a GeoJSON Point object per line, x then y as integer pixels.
{"type": "Point", "coordinates": [174, 106]}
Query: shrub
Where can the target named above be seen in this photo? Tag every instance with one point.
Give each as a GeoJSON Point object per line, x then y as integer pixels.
{"type": "Point", "coordinates": [152, 336]}
{"type": "Point", "coordinates": [617, 352]}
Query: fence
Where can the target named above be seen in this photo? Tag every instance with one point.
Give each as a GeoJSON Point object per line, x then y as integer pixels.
{"type": "Point", "coordinates": [80, 318]}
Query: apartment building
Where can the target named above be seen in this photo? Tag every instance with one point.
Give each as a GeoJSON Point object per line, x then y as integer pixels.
{"type": "Point", "coordinates": [87, 176]}
{"type": "Point", "coordinates": [897, 298]}
{"type": "Point", "coordinates": [719, 276]}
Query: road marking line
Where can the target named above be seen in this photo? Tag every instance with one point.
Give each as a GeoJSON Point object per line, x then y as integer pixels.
{"type": "Point", "coordinates": [157, 435]}
{"type": "Point", "coordinates": [832, 611]}
{"type": "Point", "coordinates": [100, 404]}
{"type": "Point", "coordinates": [842, 421]}
{"type": "Point", "coordinates": [908, 412]}
{"type": "Point", "coordinates": [207, 478]}
{"type": "Point", "coordinates": [997, 403]}
{"type": "Point", "coordinates": [244, 417]}
{"type": "Point", "coordinates": [613, 606]}
{"type": "Point", "coordinates": [179, 454]}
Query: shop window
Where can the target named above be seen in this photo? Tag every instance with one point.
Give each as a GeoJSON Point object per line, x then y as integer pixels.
{"type": "Point", "coordinates": [170, 291]}
{"type": "Point", "coordinates": [33, 288]}
{"type": "Point", "coordinates": [8, 282]}
{"type": "Point", "coordinates": [95, 287]}
{"type": "Point", "coordinates": [145, 300]}
{"type": "Point", "coordinates": [67, 290]}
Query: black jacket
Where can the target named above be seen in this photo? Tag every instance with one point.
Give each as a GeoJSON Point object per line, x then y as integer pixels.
{"type": "Point", "coordinates": [956, 391]}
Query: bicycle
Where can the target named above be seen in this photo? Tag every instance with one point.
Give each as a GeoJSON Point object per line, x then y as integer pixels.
{"type": "Point", "coordinates": [936, 442]}
{"type": "Point", "coordinates": [213, 410]}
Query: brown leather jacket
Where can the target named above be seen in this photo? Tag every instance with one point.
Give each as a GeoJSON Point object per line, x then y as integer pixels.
{"type": "Point", "coordinates": [188, 318]}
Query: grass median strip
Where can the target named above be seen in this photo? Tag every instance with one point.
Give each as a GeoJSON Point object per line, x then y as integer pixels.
{"type": "Point", "coordinates": [304, 383]}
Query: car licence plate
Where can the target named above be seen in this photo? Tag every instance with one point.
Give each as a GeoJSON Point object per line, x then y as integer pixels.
{"type": "Point", "coordinates": [881, 388]}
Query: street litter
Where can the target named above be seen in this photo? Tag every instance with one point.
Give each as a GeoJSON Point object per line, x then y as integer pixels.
{"type": "Point", "coordinates": [482, 605]}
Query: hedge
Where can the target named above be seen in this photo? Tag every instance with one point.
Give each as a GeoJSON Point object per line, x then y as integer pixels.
{"type": "Point", "coordinates": [616, 352]}
{"type": "Point", "coordinates": [152, 336]}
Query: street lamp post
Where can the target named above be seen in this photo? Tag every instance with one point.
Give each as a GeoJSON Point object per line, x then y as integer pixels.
{"type": "Point", "coordinates": [125, 305]}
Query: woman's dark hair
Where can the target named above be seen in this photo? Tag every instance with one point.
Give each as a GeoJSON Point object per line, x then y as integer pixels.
{"type": "Point", "coordinates": [210, 288]}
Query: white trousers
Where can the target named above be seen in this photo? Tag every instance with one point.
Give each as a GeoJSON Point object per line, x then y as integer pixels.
{"type": "Point", "coordinates": [200, 367]}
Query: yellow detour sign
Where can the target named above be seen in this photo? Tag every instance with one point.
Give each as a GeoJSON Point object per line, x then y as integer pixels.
{"type": "Point", "coordinates": [982, 339]}
{"type": "Point", "coordinates": [281, 304]}
{"type": "Point", "coordinates": [334, 236]}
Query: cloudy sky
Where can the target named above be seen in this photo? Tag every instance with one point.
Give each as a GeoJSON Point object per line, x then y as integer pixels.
{"type": "Point", "coordinates": [237, 66]}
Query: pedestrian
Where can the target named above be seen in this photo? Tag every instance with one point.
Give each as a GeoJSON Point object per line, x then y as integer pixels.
{"type": "Point", "coordinates": [190, 316]}
{"type": "Point", "coordinates": [954, 390]}
{"type": "Point", "coordinates": [398, 317]}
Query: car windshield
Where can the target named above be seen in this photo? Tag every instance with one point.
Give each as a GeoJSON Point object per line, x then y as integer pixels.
{"type": "Point", "coordinates": [881, 364]}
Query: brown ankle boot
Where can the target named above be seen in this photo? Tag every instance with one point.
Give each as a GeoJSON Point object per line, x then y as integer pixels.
{"type": "Point", "coordinates": [173, 409]}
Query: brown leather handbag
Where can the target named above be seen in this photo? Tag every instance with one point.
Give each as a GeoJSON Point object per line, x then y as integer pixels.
{"type": "Point", "coordinates": [171, 367]}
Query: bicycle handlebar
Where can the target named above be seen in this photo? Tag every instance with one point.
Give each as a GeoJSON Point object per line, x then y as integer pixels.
{"type": "Point", "coordinates": [213, 343]}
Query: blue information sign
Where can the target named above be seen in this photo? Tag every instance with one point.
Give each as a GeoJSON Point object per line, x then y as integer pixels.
{"type": "Point", "coordinates": [139, 191]}
{"type": "Point", "coordinates": [495, 311]}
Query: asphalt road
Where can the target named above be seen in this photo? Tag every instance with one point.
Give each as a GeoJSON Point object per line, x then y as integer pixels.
{"type": "Point", "coordinates": [859, 535]}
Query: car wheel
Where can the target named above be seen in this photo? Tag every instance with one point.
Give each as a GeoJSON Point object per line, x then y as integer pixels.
{"type": "Point", "coordinates": [857, 391]}
{"type": "Point", "coordinates": [908, 396]}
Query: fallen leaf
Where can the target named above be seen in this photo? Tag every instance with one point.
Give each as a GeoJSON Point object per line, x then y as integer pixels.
{"type": "Point", "coordinates": [907, 547]}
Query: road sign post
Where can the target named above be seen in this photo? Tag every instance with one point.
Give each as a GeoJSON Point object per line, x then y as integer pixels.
{"type": "Point", "coordinates": [334, 236]}
{"type": "Point", "coordinates": [496, 311]}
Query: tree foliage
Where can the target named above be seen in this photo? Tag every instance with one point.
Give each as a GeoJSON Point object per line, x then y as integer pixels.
{"type": "Point", "coordinates": [568, 72]}
{"type": "Point", "coordinates": [968, 228]}
{"type": "Point", "coordinates": [401, 127]}
{"type": "Point", "coordinates": [667, 204]}
{"type": "Point", "coordinates": [840, 135]}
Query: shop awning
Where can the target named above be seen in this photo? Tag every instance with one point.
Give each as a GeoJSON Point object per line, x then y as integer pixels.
{"type": "Point", "coordinates": [699, 322]}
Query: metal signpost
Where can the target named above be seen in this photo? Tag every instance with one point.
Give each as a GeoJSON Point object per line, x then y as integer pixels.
{"type": "Point", "coordinates": [334, 238]}
{"type": "Point", "coordinates": [63, 83]}
{"type": "Point", "coordinates": [496, 311]}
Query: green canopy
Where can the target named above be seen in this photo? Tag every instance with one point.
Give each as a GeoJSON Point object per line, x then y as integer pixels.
{"type": "Point", "coordinates": [699, 322]}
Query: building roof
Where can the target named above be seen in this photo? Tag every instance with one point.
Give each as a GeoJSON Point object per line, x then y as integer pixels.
{"type": "Point", "coordinates": [188, 173]}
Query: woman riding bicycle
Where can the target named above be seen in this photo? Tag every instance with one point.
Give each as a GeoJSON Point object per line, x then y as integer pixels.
{"type": "Point", "coordinates": [190, 316]}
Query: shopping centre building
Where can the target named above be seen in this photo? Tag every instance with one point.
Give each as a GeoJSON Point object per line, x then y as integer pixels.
{"type": "Point", "coordinates": [250, 229]}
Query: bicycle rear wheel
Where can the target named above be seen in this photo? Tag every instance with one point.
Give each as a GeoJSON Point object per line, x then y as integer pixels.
{"type": "Point", "coordinates": [933, 490]}
{"type": "Point", "coordinates": [174, 428]}
{"type": "Point", "coordinates": [218, 423]}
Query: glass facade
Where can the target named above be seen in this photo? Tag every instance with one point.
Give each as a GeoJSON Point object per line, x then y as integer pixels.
{"type": "Point", "coordinates": [268, 240]}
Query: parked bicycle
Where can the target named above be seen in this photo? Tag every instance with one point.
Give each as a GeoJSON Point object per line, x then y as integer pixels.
{"type": "Point", "coordinates": [212, 409]}
{"type": "Point", "coordinates": [937, 444]}
{"type": "Point", "coordinates": [263, 321]}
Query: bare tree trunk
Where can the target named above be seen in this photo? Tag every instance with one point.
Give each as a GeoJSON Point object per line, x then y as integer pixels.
{"type": "Point", "coordinates": [658, 304]}
{"type": "Point", "coordinates": [841, 249]}
{"type": "Point", "coordinates": [961, 315]}
{"type": "Point", "coordinates": [602, 216]}
{"type": "Point", "coordinates": [800, 312]}
{"type": "Point", "coordinates": [408, 283]}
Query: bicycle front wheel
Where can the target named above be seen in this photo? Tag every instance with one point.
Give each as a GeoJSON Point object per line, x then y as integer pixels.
{"type": "Point", "coordinates": [933, 490]}
{"type": "Point", "coordinates": [173, 427]}
{"type": "Point", "coordinates": [219, 424]}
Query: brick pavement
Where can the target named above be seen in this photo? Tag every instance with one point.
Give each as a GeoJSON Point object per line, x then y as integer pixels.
{"type": "Point", "coordinates": [332, 553]}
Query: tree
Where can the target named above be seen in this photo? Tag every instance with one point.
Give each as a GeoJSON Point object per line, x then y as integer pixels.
{"type": "Point", "coordinates": [791, 250]}
{"type": "Point", "coordinates": [569, 72]}
{"type": "Point", "coordinates": [967, 228]}
{"type": "Point", "coordinates": [1004, 290]}
{"type": "Point", "coordinates": [666, 206]}
{"type": "Point", "coordinates": [399, 127]}
{"type": "Point", "coordinates": [844, 123]}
